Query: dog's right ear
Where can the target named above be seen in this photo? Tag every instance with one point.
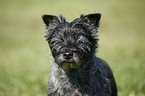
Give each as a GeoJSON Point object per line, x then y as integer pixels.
{"type": "Point", "coordinates": [93, 19]}
{"type": "Point", "coordinates": [50, 20]}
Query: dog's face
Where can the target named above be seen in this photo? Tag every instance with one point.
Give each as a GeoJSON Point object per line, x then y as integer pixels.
{"type": "Point", "coordinates": [72, 44]}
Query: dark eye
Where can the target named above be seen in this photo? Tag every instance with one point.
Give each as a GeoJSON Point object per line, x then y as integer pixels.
{"type": "Point", "coordinates": [81, 38]}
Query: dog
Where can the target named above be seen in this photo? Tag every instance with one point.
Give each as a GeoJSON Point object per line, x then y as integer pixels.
{"type": "Point", "coordinates": [76, 70]}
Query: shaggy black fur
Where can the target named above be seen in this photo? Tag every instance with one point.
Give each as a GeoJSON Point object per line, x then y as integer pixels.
{"type": "Point", "coordinates": [76, 70]}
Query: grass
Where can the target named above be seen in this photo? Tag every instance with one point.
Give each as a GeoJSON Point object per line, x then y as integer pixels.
{"type": "Point", "coordinates": [24, 55]}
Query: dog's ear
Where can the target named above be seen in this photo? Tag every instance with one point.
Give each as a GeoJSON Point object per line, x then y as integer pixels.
{"type": "Point", "coordinates": [50, 20]}
{"type": "Point", "coordinates": [93, 19]}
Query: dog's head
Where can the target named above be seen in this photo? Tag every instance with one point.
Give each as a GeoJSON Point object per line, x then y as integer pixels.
{"type": "Point", "coordinates": [72, 44]}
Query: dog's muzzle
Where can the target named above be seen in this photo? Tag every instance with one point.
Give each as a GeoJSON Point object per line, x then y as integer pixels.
{"type": "Point", "coordinates": [68, 55]}
{"type": "Point", "coordinates": [68, 60]}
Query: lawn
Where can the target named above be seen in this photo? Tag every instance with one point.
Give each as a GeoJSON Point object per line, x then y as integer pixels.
{"type": "Point", "coordinates": [25, 60]}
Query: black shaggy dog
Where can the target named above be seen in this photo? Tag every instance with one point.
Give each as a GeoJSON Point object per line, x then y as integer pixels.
{"type": "Point", "coordinates": [76, 70]}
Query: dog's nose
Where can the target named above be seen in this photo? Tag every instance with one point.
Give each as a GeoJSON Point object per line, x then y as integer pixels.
{"type": "Point", "coordinates": [68, 55]}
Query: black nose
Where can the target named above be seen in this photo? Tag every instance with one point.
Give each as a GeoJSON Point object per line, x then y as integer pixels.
{"type": "Point", "coordinates": [68, 55]}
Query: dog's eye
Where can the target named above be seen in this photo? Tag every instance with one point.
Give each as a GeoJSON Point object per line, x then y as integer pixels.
{"type": "Point", "coordinates": [81, 38]}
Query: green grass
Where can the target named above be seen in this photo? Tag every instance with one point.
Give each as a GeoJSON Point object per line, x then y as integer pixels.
{"type": "Point", "coordinates": [24, 55]}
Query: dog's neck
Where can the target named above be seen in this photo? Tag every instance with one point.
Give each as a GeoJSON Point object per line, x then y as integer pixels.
{"type": "Point", "coordinates": [77, 75]}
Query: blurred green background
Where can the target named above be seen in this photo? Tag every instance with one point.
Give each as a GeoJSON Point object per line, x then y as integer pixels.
{"type": "Point", "coordinates": [24, 55]}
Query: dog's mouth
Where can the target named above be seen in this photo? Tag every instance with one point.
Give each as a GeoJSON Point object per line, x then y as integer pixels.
{"type": "Point", "coordinates": [67, 62]}
{"type": "Point", "coordinates": [68, 65]}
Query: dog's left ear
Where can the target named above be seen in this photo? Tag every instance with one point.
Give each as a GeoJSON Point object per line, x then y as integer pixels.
{"type": "Point", "coordinates": [50, 20]}
{"type": "Point", "coordinates": [93, 19]}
